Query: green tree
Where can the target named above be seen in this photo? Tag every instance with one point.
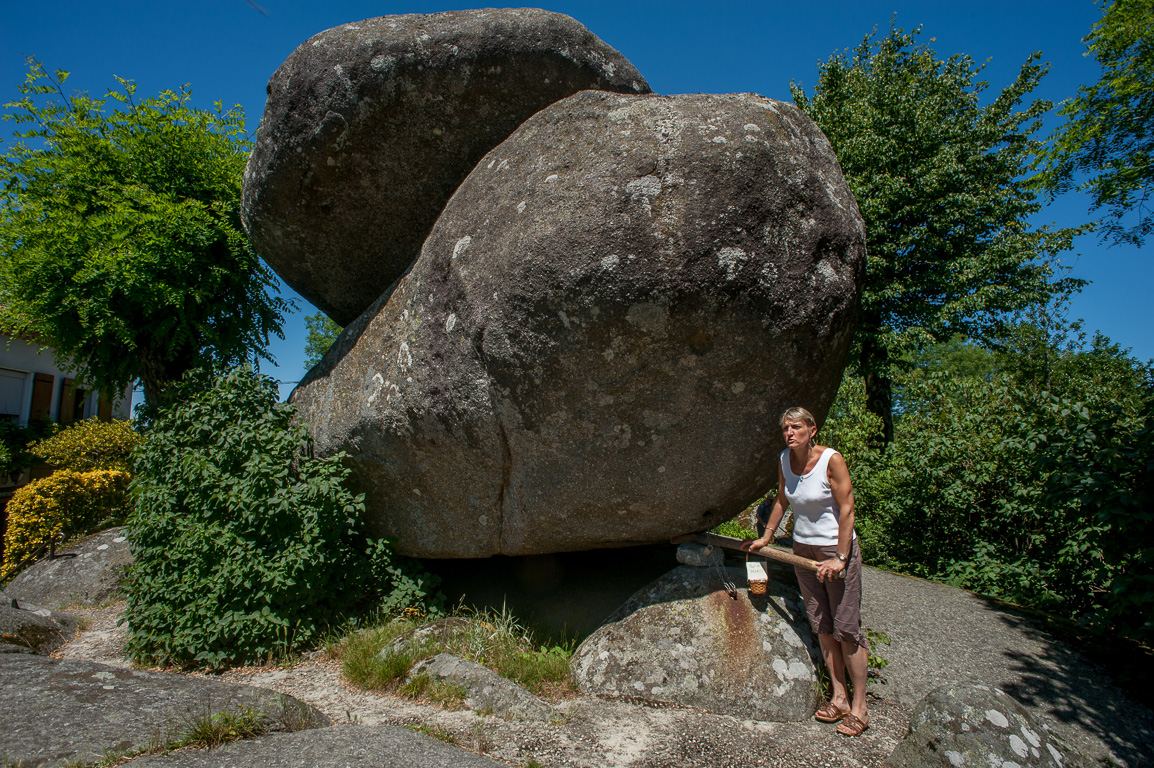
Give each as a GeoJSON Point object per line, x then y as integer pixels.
{"type": "Point", "coordinates": [322, 332]}
{"type": "Point", "coordinates": [939, 180]}
{"type": "Point", "coordinates": [120, 235]}
{"type": "Point", "coordinates": [1110, 134]}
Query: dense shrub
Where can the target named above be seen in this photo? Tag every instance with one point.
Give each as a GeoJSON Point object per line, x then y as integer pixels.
{"type": "Point", "coordinates": [1096, 475]}
{"type": "Point", "coordinates": [245, 546]}
{"type": "Point", "coordinates": [1040, 497]}
{"type": "Point", "coordinates": [65, 502]}
{"type": "Point", "coordinates": [89, 444]}
{"type": "Point", "coordinates": [14, 441]}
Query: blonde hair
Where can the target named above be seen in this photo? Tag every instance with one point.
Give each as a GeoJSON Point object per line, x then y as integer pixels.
{"type": "Point", "coordinates": [797, 413]}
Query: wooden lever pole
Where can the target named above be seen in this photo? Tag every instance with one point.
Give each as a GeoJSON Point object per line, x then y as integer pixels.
{"type": "Point", "coordinates": [728, 542]}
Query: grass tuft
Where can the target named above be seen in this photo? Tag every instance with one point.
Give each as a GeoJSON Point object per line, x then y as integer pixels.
{"type": "Point", "coordinates": [204, 732]}
{"type": "Point", "coordinates": [449, 695]}
{"type": "Point", "coordinates": [208, 731]}
{"type": "Point", "coordinates": [494, 639]}
{"type": "Point", "coordinates": [436, 731]}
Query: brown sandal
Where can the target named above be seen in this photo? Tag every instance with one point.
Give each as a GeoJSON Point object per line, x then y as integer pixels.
{"type": "Point", "coordinates": [828, 713]}
{"type": "Point", "coordinates": [852, 725]}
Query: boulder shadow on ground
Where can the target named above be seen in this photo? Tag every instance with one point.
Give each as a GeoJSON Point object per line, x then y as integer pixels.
{"type": "Point", "coordinates": [563, 596]}
{"type": "Point", "coordinates": [941, 634]}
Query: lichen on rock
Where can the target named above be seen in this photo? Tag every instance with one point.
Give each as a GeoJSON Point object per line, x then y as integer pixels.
{"type": "Point", "coordinates": [684, 639]}
{"type": "Point", "coordinates": [594, 345]}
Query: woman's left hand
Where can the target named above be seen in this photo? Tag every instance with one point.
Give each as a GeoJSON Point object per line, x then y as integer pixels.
{"type": "Point", "coordinates": [829, 569]}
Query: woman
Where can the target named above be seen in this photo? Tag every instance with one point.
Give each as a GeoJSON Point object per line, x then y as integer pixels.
{"type": "Point", "coordinates": [814, 480]}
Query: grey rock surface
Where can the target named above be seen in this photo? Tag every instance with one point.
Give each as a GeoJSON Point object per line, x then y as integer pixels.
{"type": "Point", "coordinates": [57, 712]}
{"type": "Point", "coordinates": [37, 629]}
{"type": "Point", "coordinates": [87, 573]}
{"type": "Point", "coordinates": [684, 639]}
{"type": "Point", "coordinates": [594, 346]}
{"type": "Point", "coordinates": [486, 691]}
{"type": "Point", "coordinates": [944, 635]}
{"type": "Point", "coordinates": [975, 726]}
{"type": "Point", "coordinates": [420, 637]}
{"type": "Point", "coordinates": [339, 746]}
{"type": "Point", "coordinates": [699, 555]}
{"type": "Point", "coordinates": [369, 127]}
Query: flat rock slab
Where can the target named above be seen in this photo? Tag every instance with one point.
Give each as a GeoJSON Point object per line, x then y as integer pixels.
{"type": "Point", "coordinates": [87, 573]}
{"type": "Point", "coordinates": [685, 640]}
{"type": "Point", "coordinates": [341, 746]}
{"type": "Point", "coordinates": [975, 726]}
{"type": "Point", "coordinates": [369, 127]}
{"type": "Point", "coordinates": [941, 634]}
{"type": "Point", "coordinates": [486, 691]}
{"type": "Point", "coordinates": [57, 712]}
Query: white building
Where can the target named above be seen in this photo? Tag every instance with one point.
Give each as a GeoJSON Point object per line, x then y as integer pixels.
{"type": "Point", "coordinates": [33, 387]}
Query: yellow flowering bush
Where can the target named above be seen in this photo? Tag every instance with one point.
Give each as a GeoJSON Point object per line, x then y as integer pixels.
{"type": "Point", "coordinates": [65, 502]}
{"type": "Point", "coordinates": [88, 445]}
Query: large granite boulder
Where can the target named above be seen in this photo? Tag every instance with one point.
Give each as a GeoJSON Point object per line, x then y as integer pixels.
{"type": "Point", "coordinates": [601, 330]}
{"type": "Point", "coordinates": [369, 128]}
{"type": "Point", "coordinates": [685, 639]}
{"type": "Point", "coordinates": [88, 572]}
{"type": "Point", "coordinates": [57, 713]}
{"type": "Point", "coordinates": [975, 726]}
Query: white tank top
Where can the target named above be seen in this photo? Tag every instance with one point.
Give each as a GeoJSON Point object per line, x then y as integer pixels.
{"type": "Point", "coordinates": [815, 513]}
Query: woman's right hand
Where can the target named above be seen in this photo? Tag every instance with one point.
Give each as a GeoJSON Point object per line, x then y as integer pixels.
{"type": "Point", "coordinates": [752, 545]}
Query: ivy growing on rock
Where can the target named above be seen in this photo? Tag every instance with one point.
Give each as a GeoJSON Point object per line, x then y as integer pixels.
{"type": "Point", "coordinates": [246, 545]}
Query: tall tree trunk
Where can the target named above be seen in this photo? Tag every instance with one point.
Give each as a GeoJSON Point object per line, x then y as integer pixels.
{"type": "Point", "coordinates": [879, 389]}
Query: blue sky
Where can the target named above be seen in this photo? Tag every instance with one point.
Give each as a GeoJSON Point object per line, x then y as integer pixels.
{"type": "Point", "coordinates": [227, 49]}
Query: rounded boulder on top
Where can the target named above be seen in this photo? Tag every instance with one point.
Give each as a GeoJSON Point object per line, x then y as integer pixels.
{"type": "Point", "coordinates": [595, 343]}
{"type": "Point", "coordinates": [369, 127]}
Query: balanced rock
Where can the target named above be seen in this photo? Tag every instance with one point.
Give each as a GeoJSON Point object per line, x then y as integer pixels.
{"type": "Point", "coordinates": [976, 726]}
{"type": "Point", "coordinates": [684, 639]}
{"type": "Point", "coordinates": [369, 128]}
{"type": "Point", "coordinates": [594, 346]}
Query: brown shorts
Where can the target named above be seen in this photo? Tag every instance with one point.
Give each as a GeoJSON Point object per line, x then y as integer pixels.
{"type": "Point", "coordinates": [833, 606]}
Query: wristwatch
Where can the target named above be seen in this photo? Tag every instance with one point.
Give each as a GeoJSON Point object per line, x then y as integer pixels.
{"type": "Point", "coordinates": [842, 557]}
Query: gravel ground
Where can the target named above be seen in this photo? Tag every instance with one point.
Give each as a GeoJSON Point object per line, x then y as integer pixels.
{"type": "Point", "coordinates": [586, 731]}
